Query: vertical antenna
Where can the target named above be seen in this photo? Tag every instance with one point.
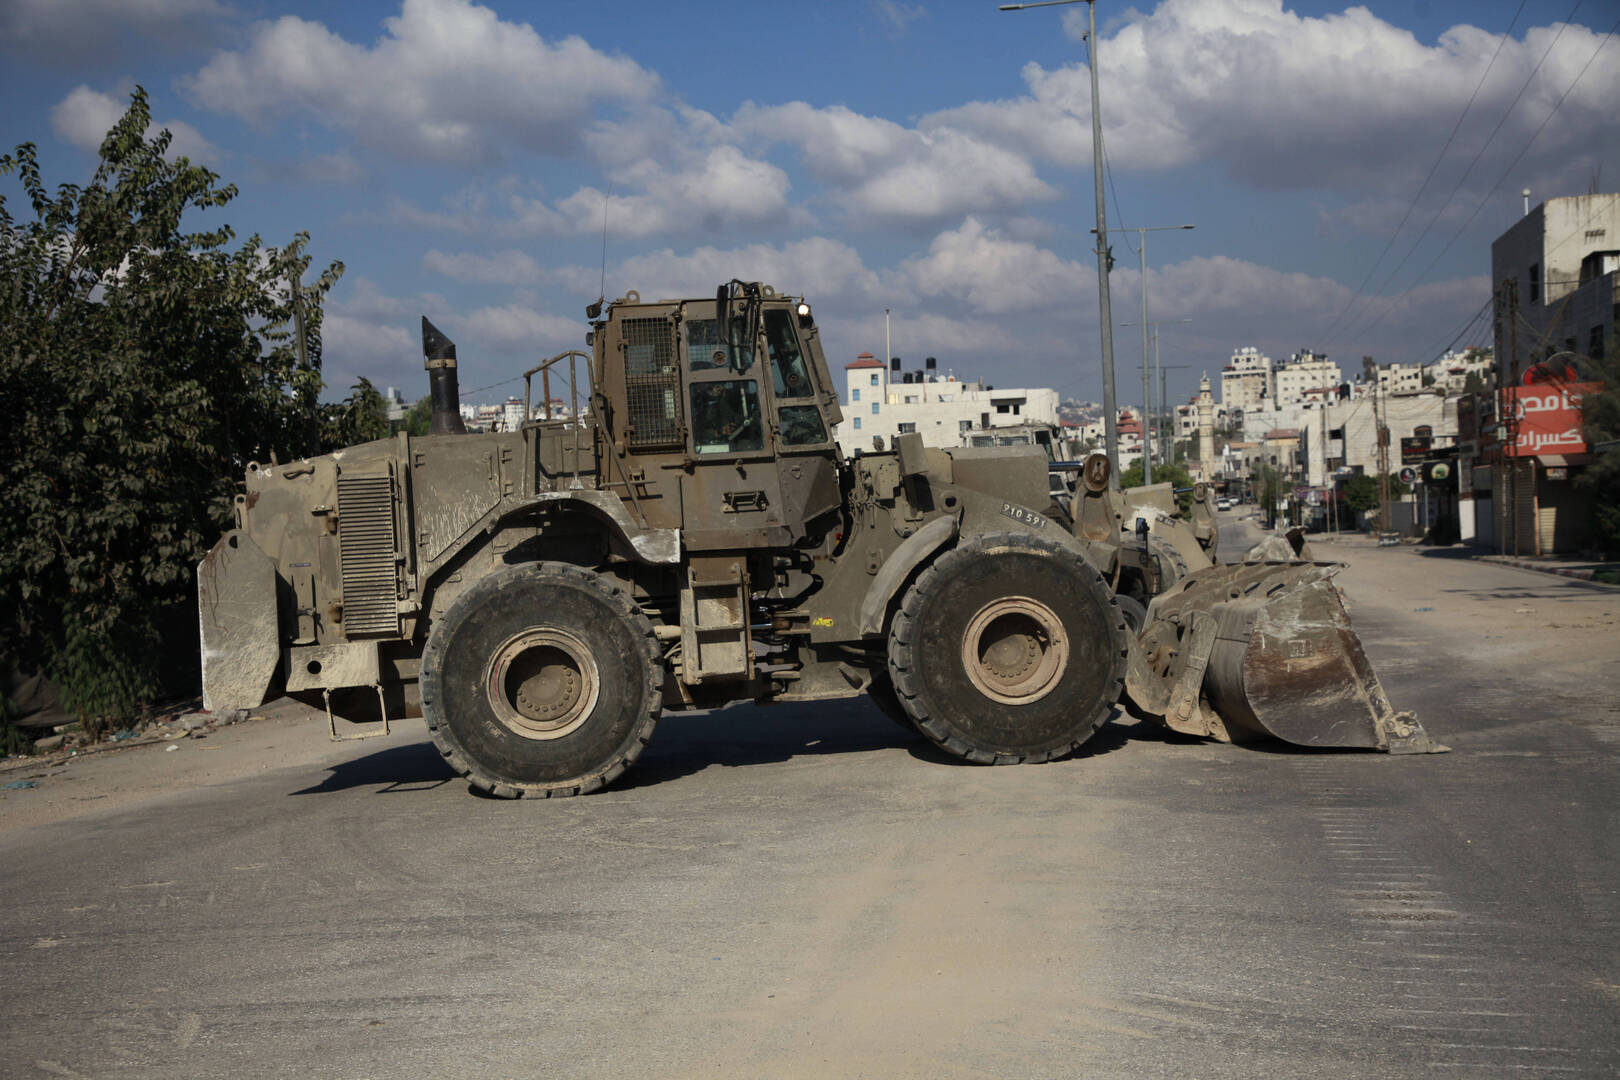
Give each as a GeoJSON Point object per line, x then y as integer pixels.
{"type": "Point", "coordinates": [601, 289]}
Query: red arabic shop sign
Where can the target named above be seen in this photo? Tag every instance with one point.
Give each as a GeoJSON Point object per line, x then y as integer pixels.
{"type": "Point", "coordinates": [1548, 418]}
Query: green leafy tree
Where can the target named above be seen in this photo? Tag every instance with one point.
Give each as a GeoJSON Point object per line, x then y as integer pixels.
{"type": "Point", "coordinates": [419, 417]}
{"type": "Point", "coordinates": [1176, 475]}
{"type": "Point", "coordinates": [1361, 493]}
{"type": "Point", "coordinates": [360, 417]}
{"type": "Point", "coordinates": [142, 366]}
{"type": "Point", "coordinates": [1600, 423]}
{"type": "Point", "coordinates": [1266, 483]}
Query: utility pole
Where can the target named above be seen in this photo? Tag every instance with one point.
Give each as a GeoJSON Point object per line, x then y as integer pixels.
{"type": "Point", "coordinates": [1508, 416]}
{"type": "Point", "coordinates": [295, 293]}
{"type": "Point", "coordinates": [1165, 456]}
{"type": "Point", "coordinates": [1106, 311]}
{"type": "Point", "coordinates": [1383, 453]}
{"type": "Point", "coordinates": [1141, 232]}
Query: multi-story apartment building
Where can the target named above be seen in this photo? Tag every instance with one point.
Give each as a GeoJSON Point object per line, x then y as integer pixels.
{"type": "Point", "coordinates": [1400, 378]}
{"type": "Point", "coordinates": [1555, 278]}
{"type": "Point", "coordinates": [884, 401]}
{"type": "Point", "coordinates": [1247, 384]}
{"type": "Point", "coordinates": [1307, 376]}
{"type": "Point", "coordinates": [1452, 371]}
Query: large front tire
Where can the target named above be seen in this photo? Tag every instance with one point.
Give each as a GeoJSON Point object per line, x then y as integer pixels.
{"type": "Point", "coordinates": [542, 681]}
{"type": "Point", "coordinates": [1009, 648]}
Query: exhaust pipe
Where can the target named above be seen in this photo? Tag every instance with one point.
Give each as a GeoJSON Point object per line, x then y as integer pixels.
{"type": "Point", "coordinates": [443, 385]}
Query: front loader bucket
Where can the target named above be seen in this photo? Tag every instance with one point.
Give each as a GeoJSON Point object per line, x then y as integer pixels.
{"type": "Point", "coordinates": [1266, 648]}
{"type": "Point", "coordinates": [236, 615]}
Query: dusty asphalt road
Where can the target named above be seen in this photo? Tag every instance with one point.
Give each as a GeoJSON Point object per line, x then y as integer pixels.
{"type": "Point", "coordinates": [806, 891]}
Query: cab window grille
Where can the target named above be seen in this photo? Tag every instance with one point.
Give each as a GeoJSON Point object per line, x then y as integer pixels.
{"type": "Point", "coordinates": [652, 386]}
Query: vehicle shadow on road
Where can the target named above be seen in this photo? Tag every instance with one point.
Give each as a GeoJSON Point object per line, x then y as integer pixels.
{"type": "Point", "coordinates": [398, 770]}
{"type": "Point", "coordinates": [737, 737]}
{"type": "Point", "coordinates": [745, 735]}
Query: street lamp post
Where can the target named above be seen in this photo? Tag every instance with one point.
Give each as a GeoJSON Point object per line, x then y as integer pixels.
{"type": "Point", "coordinates": [1141, 232]}
{"type": "Point", "coordinates": [1106, 315]}
{"type": "Point", "coordinates": [1155, 324]}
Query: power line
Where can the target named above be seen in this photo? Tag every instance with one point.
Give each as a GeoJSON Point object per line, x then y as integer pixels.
{"type": "Point", "coordinates": [1390, 301]}
{"type": "Point", "coordinates": [1384, 285]}
{"type": "Point", "coordinates": [1411, 206]}
{"type": "Point", "coordinates": [1468, 328]}
{"type": "Point", "coordinates": [490, 386]}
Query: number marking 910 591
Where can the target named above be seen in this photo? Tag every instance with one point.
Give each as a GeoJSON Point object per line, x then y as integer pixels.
{"type": "Point", "coordinates": [1028, 517]}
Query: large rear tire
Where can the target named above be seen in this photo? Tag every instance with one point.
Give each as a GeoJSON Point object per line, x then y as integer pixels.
{"type": "Point", "coordinates": [1009, 648]}
{"type": "Point", "coordinates": [541, 680]}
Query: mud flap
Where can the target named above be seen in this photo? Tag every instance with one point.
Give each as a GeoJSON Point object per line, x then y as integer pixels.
{"type": "Point", "coordinates": [1284, 661]}
{"type": "Point", "coordinates": [236, 610]}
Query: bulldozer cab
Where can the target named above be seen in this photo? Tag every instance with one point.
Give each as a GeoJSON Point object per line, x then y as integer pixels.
{"type": "Point", "coordinates": [722, 413]}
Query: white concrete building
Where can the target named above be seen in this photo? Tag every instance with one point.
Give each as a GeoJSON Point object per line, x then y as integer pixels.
{"type": "Point", "coordinates": [941, 408]}
{"type": "Point", "coordinates": [1400, 378]}
{"type": "Point", "coordinates": [1247, 382]}
{"type": "Point", "coordinates": [1344, 434]}
{"type": "Point", "coordinates": [1450, 373]}
{"type": "Point", "coordinates": [1306, 377]}
{"type": "Point", "coordinates": [512, 414]}
{"type": "Point", "coordinates": [1555, 279]}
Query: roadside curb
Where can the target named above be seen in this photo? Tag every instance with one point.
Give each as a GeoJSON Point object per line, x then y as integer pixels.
{"type": "Point", "coordinates": [1580, 573]}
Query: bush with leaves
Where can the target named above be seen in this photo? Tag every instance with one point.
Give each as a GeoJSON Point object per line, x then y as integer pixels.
{"type": "Point", "coordinates": [361, 417]}
{"type": "Point", "coordinates": [419, 417]}
{"type": "Point", "coordinates": [141, 367]}
{"type": "Point", "coordinates": [1600, 423]}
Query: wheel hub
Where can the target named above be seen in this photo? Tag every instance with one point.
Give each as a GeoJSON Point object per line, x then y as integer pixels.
{"type": "Point", "coordinates": [542, 683]}
{"type": "Point", "coordinates": [1015, 650]}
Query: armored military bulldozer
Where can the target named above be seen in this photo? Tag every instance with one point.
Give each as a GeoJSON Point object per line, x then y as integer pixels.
{"type": "Point", "coordinates": [683, 535]}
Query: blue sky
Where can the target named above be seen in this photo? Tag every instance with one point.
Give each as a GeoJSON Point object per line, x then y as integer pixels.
{"type": "Point", "coordinates": [929, 158]}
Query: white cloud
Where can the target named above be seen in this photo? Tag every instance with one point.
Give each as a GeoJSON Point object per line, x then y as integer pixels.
{"type": "Point", "coordinates": [84, 117]}
{"type": "Point", "coordinates": [717, 189]}
{"type": "Point", "coordinates": [885, 172]}
{"type": "Point", "coordinates": [1342, 102]}
{"type": "Point", "coordinates": [448, 81]}
{"type": "Point", "coordinates": [817, 268]}
{"type": "Point", "coordinates": [68, 33]}
{"type": "Point", "coordinates": [501, 268]}
{"type": "Point", "coordinates": [518, 326]}
{"type": "Point", "coordinates": [351, 342]}
{"type": "Point", "coordinates": [992, 272]}
{"type": "Point", "coordinates": [897, 16]}
{"type": "Point", "coordinates": [722, 188]}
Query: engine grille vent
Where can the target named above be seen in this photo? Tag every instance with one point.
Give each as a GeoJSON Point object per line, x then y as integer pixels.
{"type": "Point", "coordinates": [366, 552]}
{"type": "Point", "coordinates": [652, 388]}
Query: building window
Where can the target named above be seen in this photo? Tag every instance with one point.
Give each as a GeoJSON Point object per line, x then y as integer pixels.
{"type": "Point", "coordinates": [1535, 283]}
{"type": "Point", "coordinates": [907, 427]}
{"type": "Point", "coordinates": [874, 408]}
{"type": "Point", "coordinates": [855, 393]}
{"type": "Point", "coordinates": [964, 425]}
{"type": "Point", "coordinates": [874, 378]}
{"type": "Point", "coordinates": [857, 423]}
{"type": "Point", "coordinates": [911, 399]}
